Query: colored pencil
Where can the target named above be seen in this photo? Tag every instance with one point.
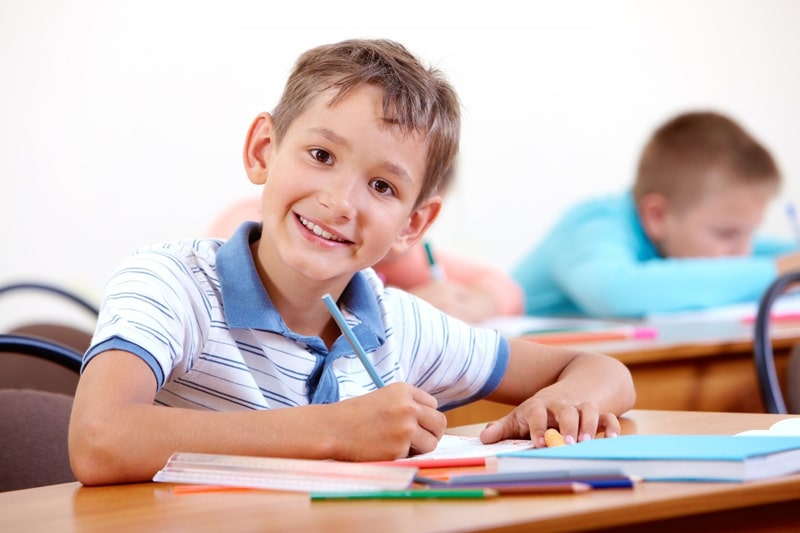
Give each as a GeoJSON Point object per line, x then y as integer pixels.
{"type": "Point", "coordinates": [411, 494]}
{"type": "Point", "coordinates": [351, 338]}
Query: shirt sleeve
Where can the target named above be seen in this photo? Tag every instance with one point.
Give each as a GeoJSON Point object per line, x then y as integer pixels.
{"type": "Point", "coordinates": [773, 247]}
{"type": "Point", "coordinates": [153, 309]}
{"type": "Point", "coordinates": [449, 359]}
{"type": "Point", "coordinates": [600, 271]}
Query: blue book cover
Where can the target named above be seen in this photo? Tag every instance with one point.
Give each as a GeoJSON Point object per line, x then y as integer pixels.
{"type": "Point", "coordinates": [668, 457]}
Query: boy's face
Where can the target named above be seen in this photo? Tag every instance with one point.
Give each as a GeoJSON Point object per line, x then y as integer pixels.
{"type": "Point", "coordinates": [721, 223]}
{"type": "Point", "coordinates": [340, 188]}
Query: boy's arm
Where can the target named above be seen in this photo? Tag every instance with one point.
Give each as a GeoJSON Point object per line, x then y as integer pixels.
{"type": "Point", "coordinates": [118, 435]}
{"type": "Point", "coordinates": [580, 393]}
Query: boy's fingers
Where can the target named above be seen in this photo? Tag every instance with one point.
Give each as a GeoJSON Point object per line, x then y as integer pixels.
{"type": "Point", "coordinates": [493, 432]}
{"type": "Point", "coordinates": [590, 418]}
{"type": "Point", "coordinates": [610, 425]}
{"type": "Point", "coordinates": [423, 398]}
{"type": "Point", "coordinates": [517, 425]}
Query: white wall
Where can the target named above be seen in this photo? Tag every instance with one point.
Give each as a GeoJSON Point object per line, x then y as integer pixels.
{"type": "Point", "coordinates": [121, 122]}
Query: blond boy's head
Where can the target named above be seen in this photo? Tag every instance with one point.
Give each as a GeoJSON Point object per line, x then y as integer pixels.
{"type": "Point", "coordinates": [703, 186]}
{"type": "Point", "coordinates": [415, 98]}
{"type": "Point", "coordinates": [699, 152]}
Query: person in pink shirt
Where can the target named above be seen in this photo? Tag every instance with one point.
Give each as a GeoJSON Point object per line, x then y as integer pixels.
{"type": "Point", "coordinates": [467, 290]}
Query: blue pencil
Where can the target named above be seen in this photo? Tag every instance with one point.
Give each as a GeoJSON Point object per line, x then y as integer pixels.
{"type": "Point", "coordinates": [791, 213]}
{"type": "Point", "coordinates": [351, 338]}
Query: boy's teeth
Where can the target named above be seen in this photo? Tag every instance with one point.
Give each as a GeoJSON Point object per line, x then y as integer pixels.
{"type": "Point", "coordinates": [319, 231]}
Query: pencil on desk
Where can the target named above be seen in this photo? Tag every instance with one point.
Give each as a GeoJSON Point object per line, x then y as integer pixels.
{"type": "Point", "coordinates": [544, 487]}
{"type": "Point", "coordinates": [351, 338]}
{"type": "Point", "coordinates": [437, 274]}
{"type": "Point", "coordinates": [410, 494]}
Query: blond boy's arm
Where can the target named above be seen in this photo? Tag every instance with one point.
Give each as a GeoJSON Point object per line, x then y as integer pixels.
{"type": "Point", "coordinates": [580, 393]}
{"type": "Point", "coordinates": [788, 263]}
{"type": "Point", "coordinates": [117, 435]}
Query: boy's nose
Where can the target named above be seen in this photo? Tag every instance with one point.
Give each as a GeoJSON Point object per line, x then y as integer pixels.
{"type": "Point", "coordinates": [338, 196]}
{"type": "Point", "coordinates": [740, 247]}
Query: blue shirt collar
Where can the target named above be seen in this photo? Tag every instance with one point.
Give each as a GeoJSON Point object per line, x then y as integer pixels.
{"type": "Point", "coordinates": [247, 304]}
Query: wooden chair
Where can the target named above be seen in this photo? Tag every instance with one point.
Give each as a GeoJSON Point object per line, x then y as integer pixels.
{"type": "Point", "coordinates": [762, 351]}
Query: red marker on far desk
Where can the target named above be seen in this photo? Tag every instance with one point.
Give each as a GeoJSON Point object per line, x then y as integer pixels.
{"type": "Point", "coordinates": [577, 336]}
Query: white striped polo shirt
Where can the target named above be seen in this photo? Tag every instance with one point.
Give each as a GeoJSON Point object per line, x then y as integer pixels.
{"type": "Point", "coordinates": [197, 313]}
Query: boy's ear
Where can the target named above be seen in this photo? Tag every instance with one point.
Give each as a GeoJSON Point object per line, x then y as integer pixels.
{"type": "Point", "coordinates": [653, 210]}
{"type": "Point", "coordinates": [257, 148]}
{"type": "Point", "coordinates": [418, 223]}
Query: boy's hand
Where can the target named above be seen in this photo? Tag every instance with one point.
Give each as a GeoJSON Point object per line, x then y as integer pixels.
{"type": "Point", "coordinates": [387, 424]}
{"type": "Point", "coordinates": [788, 263]}
{"type": "Point", "coordinates": [576, 422]}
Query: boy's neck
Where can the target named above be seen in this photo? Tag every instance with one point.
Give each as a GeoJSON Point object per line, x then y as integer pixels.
{"type": "Point", "coordinates": [297, 301]}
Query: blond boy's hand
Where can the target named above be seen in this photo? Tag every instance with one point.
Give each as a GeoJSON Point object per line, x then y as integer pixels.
{"type": "Point", "coordinates": [788, 263]}
{"type": "Point", "coordinates": [387, 424]}
{"type": "Point", "coordinates": [576, 422]}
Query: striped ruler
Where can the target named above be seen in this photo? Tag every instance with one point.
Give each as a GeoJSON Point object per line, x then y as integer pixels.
{"type": "Point", "coordinates": [301, 475]}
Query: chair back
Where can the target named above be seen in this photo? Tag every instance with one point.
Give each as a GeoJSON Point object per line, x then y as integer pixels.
{"type": "Point", "coordinates": [33, 438]}
{"type": "Point", "coordinates": [768, 380]}
{"type": "Point", "coordinates": [20, 368]}
{"type": "Point", "coordinates": [28, 362]}
{"type": "Point", "coordinates": [53, 290]}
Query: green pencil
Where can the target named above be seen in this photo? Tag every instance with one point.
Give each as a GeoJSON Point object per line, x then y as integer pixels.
{"type": "Point", "coordinates": [437, 274]}
{"type": "Point", "coordinates": [411, 494]}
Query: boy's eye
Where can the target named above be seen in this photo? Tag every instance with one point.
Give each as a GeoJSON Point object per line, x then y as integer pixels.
{"type": "Point", "coordinates": [381, 187]}
{"type": "Point", "coordinates": [731, 234]}
{"type": "Point", "coordinates": [322, 156]}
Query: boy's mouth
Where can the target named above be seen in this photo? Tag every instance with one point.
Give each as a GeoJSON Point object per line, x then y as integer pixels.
{"type": "Point", "coordinates": [319, 232]}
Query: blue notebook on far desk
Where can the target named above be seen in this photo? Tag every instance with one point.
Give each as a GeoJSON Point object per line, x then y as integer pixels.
{"type": "Point", "coordinates": [668, 457]}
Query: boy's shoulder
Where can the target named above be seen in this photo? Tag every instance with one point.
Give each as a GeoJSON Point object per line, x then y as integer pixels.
{"type": "Point", "coordinates": [192, 251]}
{"type": "Point", "coordinates": [620, 206]}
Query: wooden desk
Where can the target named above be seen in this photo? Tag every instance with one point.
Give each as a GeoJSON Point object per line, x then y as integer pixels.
{"type": "Point", "coordinates": [689, 366]}
{"type": "Point", "coordinates": [764, 505]}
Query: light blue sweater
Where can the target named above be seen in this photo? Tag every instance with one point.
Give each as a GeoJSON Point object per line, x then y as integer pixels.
{"type": "Point", "coordinates": [597, 261]}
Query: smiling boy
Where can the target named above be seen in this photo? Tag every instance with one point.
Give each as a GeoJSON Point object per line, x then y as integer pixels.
{"type": "Point", "coordinates": [226, 347]}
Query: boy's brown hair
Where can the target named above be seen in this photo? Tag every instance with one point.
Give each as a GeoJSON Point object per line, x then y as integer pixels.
{"type": "Point", "coordinates": [697, 150]}
{"type": "Point", "coordinates": [416, 98]}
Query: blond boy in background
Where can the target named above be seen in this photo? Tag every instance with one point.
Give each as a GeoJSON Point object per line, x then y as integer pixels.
{"type": "Point", "coordinates": [682, 239]}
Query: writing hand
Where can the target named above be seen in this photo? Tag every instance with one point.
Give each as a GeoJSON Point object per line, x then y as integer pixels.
{"type": "Point", "coordinates": [387, 424]}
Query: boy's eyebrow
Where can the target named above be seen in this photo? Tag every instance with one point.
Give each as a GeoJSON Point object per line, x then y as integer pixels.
{"type": "Point", "coordinates": [333, 137]}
